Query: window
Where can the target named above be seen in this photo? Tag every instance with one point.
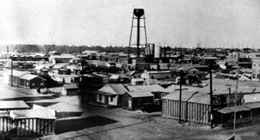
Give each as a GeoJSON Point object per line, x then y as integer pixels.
{"type": "Point", "coordinates": [111, 99]}
{"type": "Point", "coordinates": [100, 97]}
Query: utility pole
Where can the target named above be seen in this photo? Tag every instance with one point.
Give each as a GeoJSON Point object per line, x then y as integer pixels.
{"type": "Point", "coordinates": [211, 95]}
{"type": "Point", "coordinates": [180, 95]}
{"type": "Point", "coordinates": [11, 77]}
{"type": "Point", "coordinates": [235, 98]}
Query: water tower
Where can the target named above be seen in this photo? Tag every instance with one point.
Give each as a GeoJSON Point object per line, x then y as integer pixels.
{"type": "Point", "coordinates": [138, 23]}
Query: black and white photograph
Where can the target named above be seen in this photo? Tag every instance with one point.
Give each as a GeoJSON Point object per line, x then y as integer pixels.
{"type": "Point", "coordinates": [129, 69]}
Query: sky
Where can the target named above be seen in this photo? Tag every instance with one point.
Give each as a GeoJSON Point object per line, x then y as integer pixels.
{"type": "Point", "coordinates": [212, 23]}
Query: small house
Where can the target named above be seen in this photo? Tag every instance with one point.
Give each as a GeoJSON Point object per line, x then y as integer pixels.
{"type": "Point", "coordinates": [110, 94]}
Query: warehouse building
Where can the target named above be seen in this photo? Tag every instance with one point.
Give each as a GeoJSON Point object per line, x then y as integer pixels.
{"type": "Point", "coordinates": [195, 107]}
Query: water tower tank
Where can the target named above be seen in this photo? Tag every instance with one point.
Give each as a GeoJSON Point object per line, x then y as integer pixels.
{"type": "Point", "coordinates": [138, 12]}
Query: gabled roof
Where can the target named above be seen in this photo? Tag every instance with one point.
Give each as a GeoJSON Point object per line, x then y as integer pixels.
{"type": "Point", "coordinates": [136, 94]}
{"type": "Point", "coordinates": [107, 90]}
{"type": "Point", "coordinates": [113, 89]}
{"type": "Point", "coordinates": [119, 88]}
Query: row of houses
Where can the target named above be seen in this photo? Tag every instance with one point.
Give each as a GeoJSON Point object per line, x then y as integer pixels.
{"type": "Point", "coordinates": [129, 96]}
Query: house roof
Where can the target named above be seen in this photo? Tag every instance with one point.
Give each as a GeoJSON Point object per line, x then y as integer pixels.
{"type": "Point", "coordinates": [36, 112]}
{"type": "Point", "coordinates": [30, 76]}
{"type": "Point", "coordinates": [119, 88]}
{"type": "Point", "coordinates": [252, 98]}
{"type": "Point", "coordinates": [173, 88]}
{"type": "Point", "coordinates": [221, 86]}
{"type": "Point", "coordinates": [19, 73]}
{"type": "Point", "coordinates": [65, 107]}
{"type": "Point", "coordinates": [147, 88]}
{"type": "Point", "coordinates": [113, 89]}
{"type": "Point", "coordinates": [136, 94]}
{"type": "Point", "coordinates": [71, 86]}
{"type": "Point", "coordinates": [107, 89]}
{"type": "Point", "coordinates": [13, 105]}
{"type": "Point", "coordinates": [59, 65]}
{"type": "Point", "coordinates": [157, 72]}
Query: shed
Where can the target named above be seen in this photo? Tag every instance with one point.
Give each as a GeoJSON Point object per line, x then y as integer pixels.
{"type": "Point", "coordinates": [136, 99]}
{"type": "Point", "coordinates": [243, 115]}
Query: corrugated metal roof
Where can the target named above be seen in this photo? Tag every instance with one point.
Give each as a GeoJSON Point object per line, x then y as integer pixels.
{"type": "Point", "coordinates": [147, 88]}
{"type": "Point", "coordinates": [191, 96]}
{"type": "Point", "coordinates": [232, 109]}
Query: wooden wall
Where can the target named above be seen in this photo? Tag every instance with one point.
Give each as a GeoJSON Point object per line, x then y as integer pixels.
{"type": "Point", "coordinates": [190, 112]}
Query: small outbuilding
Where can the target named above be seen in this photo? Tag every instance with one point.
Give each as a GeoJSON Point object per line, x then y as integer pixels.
{"type": "Point", "coordinates": [136, 99]}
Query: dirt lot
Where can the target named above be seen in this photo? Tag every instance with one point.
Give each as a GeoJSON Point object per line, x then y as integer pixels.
{"type": "Point", "coordinates": [143, 126]}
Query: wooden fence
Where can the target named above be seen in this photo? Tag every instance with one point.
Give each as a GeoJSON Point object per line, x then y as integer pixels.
{"type": "Point", "coordinates": [190, 112]}
{"type": "Point", "coordinates": [26, 126]}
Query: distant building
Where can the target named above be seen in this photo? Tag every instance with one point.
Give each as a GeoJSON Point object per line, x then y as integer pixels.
{"type": "Point", "coordinates": [70, 89]}
{"type": "Point", "coordinates": [160, 75]}
{"type": "Point", "coordinates": [256, 67]}
{"type": "Point", "coordinates": [26, 80]}
{"type": "Point", "coordinates": [64, 58]}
